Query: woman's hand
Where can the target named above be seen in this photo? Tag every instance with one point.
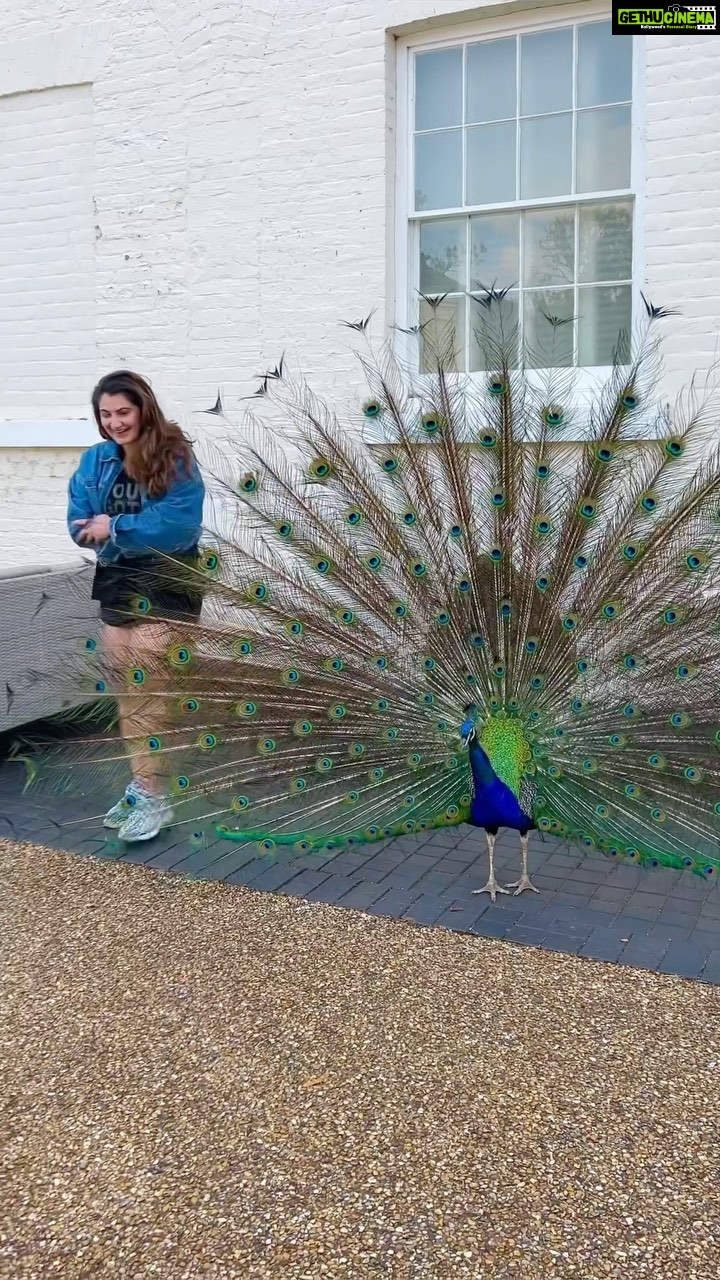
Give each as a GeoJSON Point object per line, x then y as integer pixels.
{"type": "Point", "coordinates": [95, 530]}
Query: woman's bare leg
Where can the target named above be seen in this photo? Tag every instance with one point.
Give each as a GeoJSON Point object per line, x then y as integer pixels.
{"type": "Point", "coordinates": [140, 715]}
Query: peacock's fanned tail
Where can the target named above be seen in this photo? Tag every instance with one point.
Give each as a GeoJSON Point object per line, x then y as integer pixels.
{"type": "Point", "coordinates": [453, 544]}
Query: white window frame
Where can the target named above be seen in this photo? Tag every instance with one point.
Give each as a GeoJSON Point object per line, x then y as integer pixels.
{"type": "Point", "coordinates": [406, 243]}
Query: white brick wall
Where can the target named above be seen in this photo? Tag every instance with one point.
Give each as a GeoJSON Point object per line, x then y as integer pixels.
{"type": "Point", "coordinates": [243, 159]}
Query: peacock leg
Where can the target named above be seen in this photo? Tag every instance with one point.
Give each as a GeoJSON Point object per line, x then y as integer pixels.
{"type": "Point", "coordinates": [524, 882]}
{"type": "Point", "coordinates": [492, 887]}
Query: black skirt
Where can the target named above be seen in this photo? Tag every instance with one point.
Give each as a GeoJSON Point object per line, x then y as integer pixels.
{"type": "Point", "coordinates": [134, 589]}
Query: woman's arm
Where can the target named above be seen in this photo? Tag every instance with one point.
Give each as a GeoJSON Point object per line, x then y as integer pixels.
{"type": "Point", "coordinates": [79, 506]}
{"type": "Point", "coordinates": [168, 524]}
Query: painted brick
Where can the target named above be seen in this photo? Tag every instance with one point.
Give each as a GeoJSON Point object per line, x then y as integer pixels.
{"type": "Point", "coordinates": [219, 240]}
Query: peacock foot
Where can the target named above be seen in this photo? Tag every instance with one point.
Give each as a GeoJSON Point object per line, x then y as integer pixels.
{"type": "Point", "coordinates": [521, 885]}
{"type": "Point", "coordinates": [492, 887]}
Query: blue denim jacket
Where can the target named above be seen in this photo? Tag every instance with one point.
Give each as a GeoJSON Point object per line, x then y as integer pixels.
{"type": "Point", "coordinates": [169, 524]}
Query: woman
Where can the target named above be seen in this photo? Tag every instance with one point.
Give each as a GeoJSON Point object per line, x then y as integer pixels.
{"type": "Point", "coordinates": [137, 496]}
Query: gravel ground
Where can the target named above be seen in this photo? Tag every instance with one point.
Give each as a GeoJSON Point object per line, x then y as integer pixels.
{"type": "Point", "coordinates": [200, 1081]}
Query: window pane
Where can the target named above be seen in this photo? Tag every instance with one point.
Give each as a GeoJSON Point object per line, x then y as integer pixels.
{"type": "Point", "coordinates": [604, 320]}
{"type": "Point", "coordinates": [604, 66]}
{"type": "Point", "coordinates": [494, 330]}
{"type": "Point", "coordinates": [438, 89]}
{"type": "Point", "coordinates": [548, 345]}
{"type": "Point", "coordinates": [491, 74]}
{"type": "Point", "coordinates": [438, 170]}
{"type": "Point", "coordinates": [546, 72]}
{"type": "Point", "coordinates": [603, 149]}
{"type": "Point", "coordinates": [549, 247]}
{"type": "Point", "coordinates": [546, 157]}
{"type": "Point", "coordinates": [442, 255]}
{"type": "Point", "coordinates": [606, 241]}
{"type": "Point", "coordinates": [490, 164]}
{"type": "Point", "coordinates": [494, 250]}
{"type": "Point", "coordinates": [444, 334]}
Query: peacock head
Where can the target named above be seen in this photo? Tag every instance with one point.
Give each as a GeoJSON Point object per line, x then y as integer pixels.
{"type": "Point", "coordinates": [468, 728]}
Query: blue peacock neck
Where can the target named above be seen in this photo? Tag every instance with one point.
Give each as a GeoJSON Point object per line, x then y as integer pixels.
{"type": "Point", "coordinates": [482, 771]}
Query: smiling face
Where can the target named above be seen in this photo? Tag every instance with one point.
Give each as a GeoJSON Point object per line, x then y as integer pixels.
{"type": "Point", "coordinates": [120, 419]}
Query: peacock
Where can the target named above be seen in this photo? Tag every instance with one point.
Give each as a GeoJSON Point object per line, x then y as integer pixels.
{"type": "Point", "coordinates": [475, 599]}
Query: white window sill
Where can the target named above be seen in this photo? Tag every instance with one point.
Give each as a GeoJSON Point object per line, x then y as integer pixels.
{"type": "Point", "coordinates": [62, 433]}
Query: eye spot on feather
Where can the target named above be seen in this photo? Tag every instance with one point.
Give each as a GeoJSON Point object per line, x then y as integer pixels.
{"type": "Point", "coordinates": [302, 728]}
{"type": "Point", "coordinates": [322, 564]}
{"type": "Point", "coordinates": [629, 399]}
{"type": "Point", "coordinates": [589, 765]}
{"type": "Point", "coordinates": [605, 453]}
{"type": "Point", "coordinates": [337, 711]}
{"type": "Point", "coordinates": [499, 498]}
{"type": "Point", "coordinates": [496, 554]}
{"type": "Point", "coordinates": [680, 720]}
{"type": "Point", "coordinates": [154, 743]}
{"type": "Point", "coordinates": [697, 561]}
{"type": "Point", "coordinates": [346, 616]}
{"type": "Point", "coordinates": [372, 409]}
{"type": "Point", "coordinates": [190, 704]}
{"type": "Point", "coordinates": [542, 583]}
{"type": "Point", "coordinates": [266, 746]}
{"type": "Point", "coordinates": [240, 803]}
{"type": "Point", "coordinates": [247, 708]}
{"type": "Point", "coordinates": [323, 764]}
{"type": "Point", "coordinates": [207, 741]}
{"type": "Point", "coordinates": [553, 415]}
{"type": "Point", "coordinates": [257, 592]}
{"type": "Point", "coordinates": [380, 704]}
{"type": "Point", "coordinates": [658, 815]}
{"type": "Point", "coordinates": [674, 447]}
{"type": "Point", "coordinates": [409, 517]}
{"type": "Point", "coordinates": [611, 610]}
{"type": "Point", "coordinates": [498, 670]}
{"type": "Point", "coordinates": [442, 618]}
{"type": "Point", "coordinates": [284, 529]}
{"type": "Point", "coordinates": [542, 471]}
{"type": "Point", "coordinates": [373, 561]}
{"type": "Point", "coordinates": [248, 483]}
{"type": "Point", "coordinates": [356, 750]}
{"type": "Point", "coordinates": [496, 385]}
{"type": "Point", "coordinates": [398, 608]}
{"type": "Point", "coordinates": [464, 586]}
{"type": "Point", "coordinates": [617, 740]}
{"type": "Point", "coordinates": [209, 561]}
{"type": "Point", "coordinates": [319, 469]}
{"type": "Point", "coordinates": [693, 774]}
{"type": "Point", "coordinates": [298, 785]}
{"type": "Point", "coordinates": [241, 647]}
{"type": "Point", "coordinates": [181, 783]}
{"type": "Point", "coordinates": [476, 640]}
{"type": "Point", "coordinates": [389, 464]}
{"type": "Point", "coordinates": [418, 569]}
{"type": "Point", "coordinates": [353, 517]}
{"type": "Point", "coordinates": [432, 424]}
{"type": "Point", "coordinates": [588, 509]}
{"type": "Point", "coordinates": [290, 676]}
{"type": "Point", "coordinates": [582, 666]}
{"type": "Point", "coordinates": [100, 686]}
{"type": "Point", "coordinates": [570, 622]}
{"type": "Point", "coordinates": [180, 655]}
{"type": "Point", "coordinates": [649, 503]}
{"type": "Point", "coordinates": [488, 440]}
{"type": "Point", "coordinates": [91, 645]}
{"type": "Point", "coordinates": [456, 531]}
{"type": "Point", "coordinates": [137, 675]}
{"type": "Point", "coordinates": [657, 761]}
{"type": "Point", "coordinates": [376, 774]}
{"type": "Point", "coordinates": [537, 682]}
{"type": "Point", "coordinates": [543, 527]}
{"type": "Point", "coordinates": [633, 791]}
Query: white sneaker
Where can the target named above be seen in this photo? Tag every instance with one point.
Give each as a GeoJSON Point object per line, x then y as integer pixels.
{"type": "Point", "coordinates": [120, 812]}
{"type": "Point", "coordinates": [146, 818]}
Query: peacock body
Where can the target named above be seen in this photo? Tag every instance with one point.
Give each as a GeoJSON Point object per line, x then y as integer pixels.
{"type": "Point", "coordinates": [474, 618]}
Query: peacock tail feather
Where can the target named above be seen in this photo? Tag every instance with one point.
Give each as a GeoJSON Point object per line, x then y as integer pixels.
{"type": "Point", "coordinates": [454, 545]}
